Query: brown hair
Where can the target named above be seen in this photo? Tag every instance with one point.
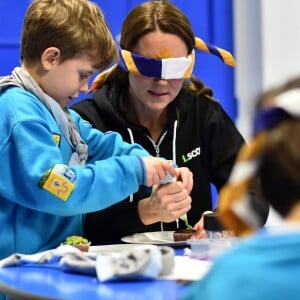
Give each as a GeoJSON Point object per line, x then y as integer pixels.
{"type": "Point", "coordinates": [280, 167]}
{"type": "Point", "coordinates": [74, 26]}
{"type": "Point", "coordinates": [149, 17]}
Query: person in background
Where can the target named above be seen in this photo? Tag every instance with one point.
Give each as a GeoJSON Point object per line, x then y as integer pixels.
{"type": "Point", "coordinates": [151, 97]}
{"type": "Point", "coordinates": [55, 167]}
{"type": "Point", "coordinates": [266, 99]}
{"type": "Point", "coordinates": [265, 265]}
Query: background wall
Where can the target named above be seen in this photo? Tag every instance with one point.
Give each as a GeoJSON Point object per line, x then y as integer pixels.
{"type": "Point", "coordinates": [211, 20]}
{"type": "Point", "coordinates": [267, 50]}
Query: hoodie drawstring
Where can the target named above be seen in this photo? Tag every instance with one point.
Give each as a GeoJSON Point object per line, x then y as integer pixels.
{"type": "Point", "coordinates": [174, 142]}
{"type": "Point", "coordinates": [156, 146]}
{"type": "Point", "coordinates": [132, 142]}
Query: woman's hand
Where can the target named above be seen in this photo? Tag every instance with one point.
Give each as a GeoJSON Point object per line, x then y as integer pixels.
{"type": "Point", "coordinates": [199, 227]}
{"type": "Point", "coordinates": [167, 203]}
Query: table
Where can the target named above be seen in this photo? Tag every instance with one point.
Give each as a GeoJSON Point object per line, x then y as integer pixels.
{"type": "Point", "coordinates": [46, 283]}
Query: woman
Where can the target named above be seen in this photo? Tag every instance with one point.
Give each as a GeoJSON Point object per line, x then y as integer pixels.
{"type": "Point", "coordinates": [166, 110]}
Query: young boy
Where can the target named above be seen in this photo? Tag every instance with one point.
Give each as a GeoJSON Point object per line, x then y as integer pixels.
{"type": "Point", "coordinates": [54, 166]}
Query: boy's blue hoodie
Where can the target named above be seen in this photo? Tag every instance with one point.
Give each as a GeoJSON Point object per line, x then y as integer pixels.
{"type": "Point", "coordinates": [32, 218]}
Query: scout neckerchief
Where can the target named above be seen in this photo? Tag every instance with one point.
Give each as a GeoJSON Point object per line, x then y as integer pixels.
{"type": "Point", "coordinates": [22, 79]}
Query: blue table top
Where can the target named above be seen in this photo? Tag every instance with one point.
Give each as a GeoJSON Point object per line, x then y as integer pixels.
{"type": "Point", "coordinates": [46, 283]}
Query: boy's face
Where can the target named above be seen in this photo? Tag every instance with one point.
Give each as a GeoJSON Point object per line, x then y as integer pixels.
{"type": "Point", "coordinates": [64, 81]}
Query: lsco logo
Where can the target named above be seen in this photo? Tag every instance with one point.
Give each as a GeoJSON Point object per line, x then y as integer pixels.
{"type": "Point", "coordinates": [191, 155]}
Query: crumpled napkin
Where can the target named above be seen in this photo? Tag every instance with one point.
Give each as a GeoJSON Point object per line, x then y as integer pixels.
{"type": "Point", "coordinates": [136, 263]}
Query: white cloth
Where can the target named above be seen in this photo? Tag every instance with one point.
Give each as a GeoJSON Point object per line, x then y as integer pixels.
{"type": "Point", "coordinates": [140, 262]}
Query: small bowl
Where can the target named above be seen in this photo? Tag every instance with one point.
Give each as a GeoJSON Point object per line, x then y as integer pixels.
{"type": "Point", "coordinates": [83, 247]}
{"type": "Point", "coordinates": [182, 234]}
{"type": "Point", "coordinates": [210, 248]}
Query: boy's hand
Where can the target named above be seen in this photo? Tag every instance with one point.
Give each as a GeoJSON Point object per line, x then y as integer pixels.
{"type": "Point", "coordinates": [157, 169]}
{"type": "Point", "coordinates": [186, 177]}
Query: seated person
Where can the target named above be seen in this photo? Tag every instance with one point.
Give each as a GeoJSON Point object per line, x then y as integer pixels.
{"type": "Point", "coordinates": [171, 114]}
{"type": "Point", "coordinates": [266, 264]}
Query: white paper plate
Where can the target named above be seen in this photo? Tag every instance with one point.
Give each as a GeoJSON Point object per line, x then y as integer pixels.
{"type": "Point", "coordinates": [154, 238]}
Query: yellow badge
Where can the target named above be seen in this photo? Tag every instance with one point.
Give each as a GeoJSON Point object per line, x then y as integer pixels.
{"type": "Point", "coordinates": [59, 181]}
{"type": "Point", "coordinates": [56, 138]}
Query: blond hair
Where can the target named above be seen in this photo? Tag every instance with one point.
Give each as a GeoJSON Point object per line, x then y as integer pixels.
{"type": "Point", "coordinates": [76, 27]}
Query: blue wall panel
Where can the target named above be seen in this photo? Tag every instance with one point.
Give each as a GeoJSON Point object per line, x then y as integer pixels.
{"type": "Point", "coordinates": [211, 20]}
{"type": "Point", "coordinates": [11, 19]}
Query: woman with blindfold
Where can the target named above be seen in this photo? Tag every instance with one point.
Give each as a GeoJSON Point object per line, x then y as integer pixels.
{"type": "Point", "coordinates": [151, 97]}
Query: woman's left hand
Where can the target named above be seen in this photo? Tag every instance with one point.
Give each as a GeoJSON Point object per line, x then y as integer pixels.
{"type": "Point", "coordinates": [199, 228]}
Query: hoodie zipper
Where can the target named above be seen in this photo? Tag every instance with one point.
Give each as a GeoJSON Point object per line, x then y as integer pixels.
{"type": "Point", "coordinates": [156, 146]}
{"type": "Point", "coordinates": [157, 151]}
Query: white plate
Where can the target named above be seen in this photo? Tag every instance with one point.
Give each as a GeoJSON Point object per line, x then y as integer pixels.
{"type": "Point", "coordinates": [154, 238]}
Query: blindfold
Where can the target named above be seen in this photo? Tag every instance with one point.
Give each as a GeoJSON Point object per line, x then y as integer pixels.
{"type": "Point", "coordinates": [164, 68]}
